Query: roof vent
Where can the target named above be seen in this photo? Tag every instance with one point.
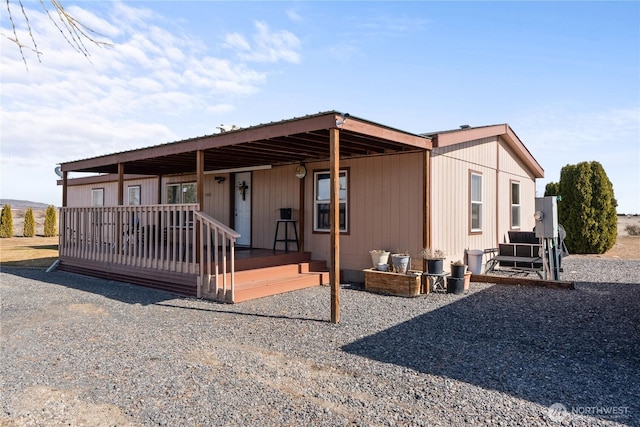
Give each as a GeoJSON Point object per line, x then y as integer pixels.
{"type": "Point", "coordinates": [465, 127]}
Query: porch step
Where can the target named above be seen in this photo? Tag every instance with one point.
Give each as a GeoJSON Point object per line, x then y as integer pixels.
{"type": "Point", "coordinates": [262, 282]}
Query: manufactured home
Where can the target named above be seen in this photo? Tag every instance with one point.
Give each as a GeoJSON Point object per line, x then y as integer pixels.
{"type": "Point", "coordinates": [281, 206]}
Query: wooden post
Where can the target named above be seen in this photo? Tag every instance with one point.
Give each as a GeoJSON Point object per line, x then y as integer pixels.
{"type": "Point", "coordinates": [65, 177]}
{"type": "Point", "coordinates": [301, 217]}
{"type": "Point", "coordinates": [120, 184]}
{"type": "Point", "coordinates": [334, 209]}
{"type": "Point", "coordinates": [199, 198]}
{"type": "Point", "coordinates": [159, 201]}
{"type": "Point", "coordinates": [200, 178]}
{"type": "Point", "coordinates": [426, 205]}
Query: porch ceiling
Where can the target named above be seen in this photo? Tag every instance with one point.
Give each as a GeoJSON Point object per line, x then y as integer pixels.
{"type": "Point", "coordinates": [298, 140]}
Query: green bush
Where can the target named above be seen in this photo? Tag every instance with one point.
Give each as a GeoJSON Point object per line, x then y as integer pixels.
{"type": "Point", "coordinates": [552, 189]}
{"type": "Point", "coordinates": [6, 224]}
{"type": "Point", "coordinates": [588, 208]}
{"type": "Point", "coordinates": [50, 222]}
{"type": "Point", "coordinates": [29, 224]}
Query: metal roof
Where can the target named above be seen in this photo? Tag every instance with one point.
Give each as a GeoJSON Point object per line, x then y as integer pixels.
{"type": "Point", "coordinates": [297, 140]}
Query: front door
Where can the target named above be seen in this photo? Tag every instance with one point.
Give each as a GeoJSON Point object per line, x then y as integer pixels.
{"type": "Point", "coordinates": [242, 211]}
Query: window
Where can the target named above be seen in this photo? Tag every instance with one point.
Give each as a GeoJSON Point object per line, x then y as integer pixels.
{"type": "Point", "coordinates": [97, 197]}
{"type": "Point", "coordinates": [515, 204]}
{"type": "Point", "coordinates": [181, 193]}
{"type": "Point", "coordinates": [133, 193]}
{"type": "Point", "coordinates": [476, 202]}
{"type": "Point", "coordinates": [322, 191]}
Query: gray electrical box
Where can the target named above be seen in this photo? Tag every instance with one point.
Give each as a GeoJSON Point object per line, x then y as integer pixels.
{"type": "Point", "coordinates": [546, 217]}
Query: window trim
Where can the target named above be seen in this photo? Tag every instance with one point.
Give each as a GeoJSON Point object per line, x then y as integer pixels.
{"type": "Point", "coordinates": [480, 202]}
{"type": "Point", "coordinates": [315, 229]}
{"type": "Point", "coordinates": [180, 186]}
{"type": "Point", "coordinates": [519, 204]}
{"type": "Point", "coordinates": [132, 187]}
{"type": "Point", "coordinates": [98, 190]}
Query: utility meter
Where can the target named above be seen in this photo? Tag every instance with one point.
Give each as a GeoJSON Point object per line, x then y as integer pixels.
{"type": "Point", "coordinates": [546, 217]}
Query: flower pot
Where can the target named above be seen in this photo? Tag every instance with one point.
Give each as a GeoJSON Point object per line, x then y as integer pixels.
{"type": "Point", "coordinates": [435, 266]}
{"type": "Point", "coordinates": [457, 271]}
{"type": "Point", "coordinates": [455, 285]}
{"type": "Point", "coordinates": [467, 280]}
{"type": "Point", "coordinates": [400, 263]}
{"type": "Point", "coordinates": [383, 266]}
{"type": "Point", "coordinates": [379, 256]}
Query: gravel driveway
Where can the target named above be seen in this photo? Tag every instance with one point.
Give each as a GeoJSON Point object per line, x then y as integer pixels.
{"type": "Point", "coordinates": [88, 352]}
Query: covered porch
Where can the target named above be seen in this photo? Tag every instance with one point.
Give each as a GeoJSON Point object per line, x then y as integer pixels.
{"type": "Point", "coordinates": [174, 240]}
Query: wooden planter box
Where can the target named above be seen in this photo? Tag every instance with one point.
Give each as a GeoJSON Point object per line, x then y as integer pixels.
{"type": "Point", "coordinates": [404, 285]}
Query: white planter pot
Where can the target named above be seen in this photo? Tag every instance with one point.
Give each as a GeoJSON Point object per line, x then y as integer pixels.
{"type": "Point", "coordinates": [379, 257]}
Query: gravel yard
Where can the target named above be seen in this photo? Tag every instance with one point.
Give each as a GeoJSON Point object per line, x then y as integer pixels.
{"type": "Point", "coordinates": [88, 352]}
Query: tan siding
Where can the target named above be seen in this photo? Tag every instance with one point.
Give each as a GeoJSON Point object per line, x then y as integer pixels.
{"type": "Point", "coordinates": [513, 169]}
{"type": "Point", "coordinates": [273, 189]}
{"type": "Point", "coordinates": [80, 195]}
{"type": "Point", "coordinates": [385, 204]}
{"type": "Point", "coordinates": [148, 190]}
{"type": "Point", "coordinates": [451, 196]}
{"type": "Point", "coordinates": [217, 196]}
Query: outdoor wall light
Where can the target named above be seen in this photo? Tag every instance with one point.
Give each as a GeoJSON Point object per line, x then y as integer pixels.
{"type": "Point", "coordinates": [344, 117]}
{"type": "Point", "coordinates": [219, 179]}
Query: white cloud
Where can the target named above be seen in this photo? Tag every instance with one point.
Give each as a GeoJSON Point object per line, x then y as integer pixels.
{"type": "Point", "coordinates": [268, 46]}
{"type": "Point", "coordinates": [145, 89]}
{"type": "Point", "coordinates": [294, 15]}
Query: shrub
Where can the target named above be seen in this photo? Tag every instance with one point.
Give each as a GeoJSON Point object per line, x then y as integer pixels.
{"type": "Point", "coordinates": [50, 222]}
{"type": "Point", "coordinates": [588, 208]}
{"type": "Point", "coordinates": [6, 224]}
{"type": "Point", "coordinates": [552, 189]}
{"type": "Point", "coordinates": [633, 229]}
{"type": "Point", "coordinates": [29, 229]}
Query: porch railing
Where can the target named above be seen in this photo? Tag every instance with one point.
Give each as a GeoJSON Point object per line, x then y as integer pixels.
{"type": "Point", "coordinates": [161, 237]}
{"type": "Point", "coordinates": [216, 278]}
{"type": "Point", "coordinates": [175, 238]}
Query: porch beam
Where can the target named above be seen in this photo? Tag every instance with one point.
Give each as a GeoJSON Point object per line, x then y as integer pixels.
{"type": "Point", "coordinates": [334, 209]}
{"type": "Point", "coordinates": [120, 184]}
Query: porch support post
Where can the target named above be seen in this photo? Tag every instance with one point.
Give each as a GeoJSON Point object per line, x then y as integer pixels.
{"type": "Point", "coordinates": [200, 178]}
{"type": "Point", "coordinates": [200, 200]}
{"type": "Point", "coordinates": [65, 183]}
{"type": "Point", "coordinates": [159, 190]}
{"type": "Point", "coordinates": [426, 205]}
{"type": "Point", "coordinates": [334, 209]}
{"type": "Point", "coordinates": [301, 217]}
{"type": "Point", "coordinates": [120, 184]}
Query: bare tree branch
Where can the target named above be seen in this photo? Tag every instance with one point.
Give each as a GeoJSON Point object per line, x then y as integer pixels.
{"type": "Point", "coordinates": [74, 32]}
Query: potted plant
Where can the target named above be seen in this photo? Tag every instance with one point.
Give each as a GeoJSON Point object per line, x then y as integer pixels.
{"type": "Point", "coordinates": [379, 256]}
{"type": "Point", "coordinates": [457, 269]}
{"type": "Point", "coordinates": [435, 260]}
{"type": "Point", "coordinates": [401, 262]}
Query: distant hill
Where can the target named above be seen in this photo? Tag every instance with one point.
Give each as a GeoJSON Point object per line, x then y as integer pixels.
{"type": "Point", "coordinates": [22, 204]}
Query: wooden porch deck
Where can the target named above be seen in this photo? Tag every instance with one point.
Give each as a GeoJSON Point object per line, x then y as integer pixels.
{"type": "Point", "coordinates": [258, 273]}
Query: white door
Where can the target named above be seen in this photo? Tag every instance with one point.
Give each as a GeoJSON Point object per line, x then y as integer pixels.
{"type": "Point", "coordinates": [242, 212]}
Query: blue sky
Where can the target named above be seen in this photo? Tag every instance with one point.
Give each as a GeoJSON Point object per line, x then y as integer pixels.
{"type": "Point", "coordinates": [564, 75]}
